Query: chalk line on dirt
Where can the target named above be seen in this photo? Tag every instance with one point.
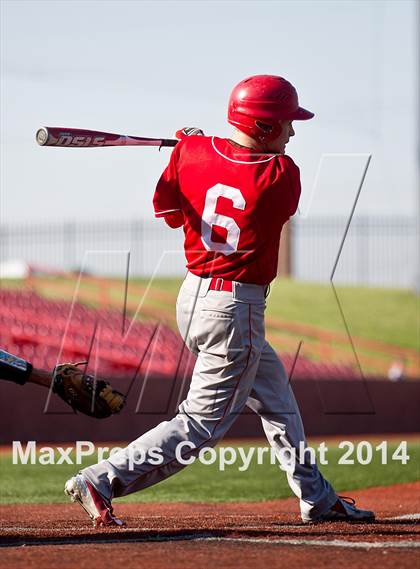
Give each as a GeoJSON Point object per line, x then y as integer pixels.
{"type": "Point", "coordinates": [405, 517]}
{"type": "Point", "coordinates": [320, 543]}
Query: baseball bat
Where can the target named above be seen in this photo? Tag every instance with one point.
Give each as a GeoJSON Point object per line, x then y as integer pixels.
{"type": "Point", "coordinates": [82, 138]}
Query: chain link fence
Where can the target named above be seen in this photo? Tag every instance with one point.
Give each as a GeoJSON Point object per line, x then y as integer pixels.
{"type": "Point", "coordinates": [377, 251]}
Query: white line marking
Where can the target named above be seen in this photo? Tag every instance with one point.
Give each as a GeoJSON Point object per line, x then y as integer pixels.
{"type": "Point", "coordinates": [320, 543]}
{"type": "Point", "coordinates": [242, 161]}
{"type": "Point", "coordinates": [406, 517]}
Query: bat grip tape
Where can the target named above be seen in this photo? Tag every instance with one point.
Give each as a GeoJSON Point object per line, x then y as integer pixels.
{"type": "Point", "coordinates": [13, 368]}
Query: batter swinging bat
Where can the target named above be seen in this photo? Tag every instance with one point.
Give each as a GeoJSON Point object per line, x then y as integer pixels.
{"type": "Point", "coordinates": [82, 138]}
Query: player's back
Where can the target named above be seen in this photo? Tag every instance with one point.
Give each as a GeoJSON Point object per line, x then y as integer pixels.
{"type": "Point", "coordinates": [235, 202]}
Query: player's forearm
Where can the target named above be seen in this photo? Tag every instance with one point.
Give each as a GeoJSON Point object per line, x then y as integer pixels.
{"type": "Point", "coordinates": [40, 377]}
{"type": "Point", "coordinates": [20, 371]}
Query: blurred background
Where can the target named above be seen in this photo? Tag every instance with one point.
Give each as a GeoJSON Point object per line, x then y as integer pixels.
{"type": "Point", "coordinates": [82, 258]}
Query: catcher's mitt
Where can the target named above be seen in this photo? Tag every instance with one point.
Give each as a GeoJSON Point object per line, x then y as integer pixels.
{"type": "Point", "coordinates": [93, 397]}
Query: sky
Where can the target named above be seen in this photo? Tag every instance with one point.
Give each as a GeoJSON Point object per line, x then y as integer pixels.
{"type": "Point", "coordinates": [150, 68]}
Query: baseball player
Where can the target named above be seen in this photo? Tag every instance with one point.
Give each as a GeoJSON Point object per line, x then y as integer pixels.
{"type": "Point", "coordinates": [232, 197]}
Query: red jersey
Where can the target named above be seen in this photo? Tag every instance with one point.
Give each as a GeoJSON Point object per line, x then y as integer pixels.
{"type": "Point", "coordinates": [234, 205]}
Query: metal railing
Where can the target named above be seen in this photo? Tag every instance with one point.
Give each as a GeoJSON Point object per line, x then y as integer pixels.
{"type": "Point", "coordinates": [378, 251]}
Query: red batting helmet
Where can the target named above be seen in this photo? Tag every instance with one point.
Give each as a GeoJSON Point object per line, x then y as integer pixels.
{"type": "Point", "coordinates": [258, 104]}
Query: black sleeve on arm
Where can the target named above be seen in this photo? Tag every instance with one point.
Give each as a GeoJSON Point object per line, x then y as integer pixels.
{"type": "Point", "coordinates": [13, 368]}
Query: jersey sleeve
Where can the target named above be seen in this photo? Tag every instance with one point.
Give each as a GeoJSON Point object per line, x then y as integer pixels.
{"type": "Point", "coordinates": [294, 188]}
{"type": "Point", "coordinates": [174, 219]}
{"type": "Point", "coordinates": [166, 200]}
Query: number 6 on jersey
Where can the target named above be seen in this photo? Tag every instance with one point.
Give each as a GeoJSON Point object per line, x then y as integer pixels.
{"type": "Point", "coordinates": [211, 218]}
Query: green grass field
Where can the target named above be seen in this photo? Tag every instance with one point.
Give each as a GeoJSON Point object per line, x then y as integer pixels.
{"type": "Point", "coordinates": [373, 313]}
{"type": "Point", "coordinates": [201, 483]}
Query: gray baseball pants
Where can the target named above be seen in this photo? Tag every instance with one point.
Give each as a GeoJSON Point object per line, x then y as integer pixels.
{"type": "Point", "coordinates": [235, 367]}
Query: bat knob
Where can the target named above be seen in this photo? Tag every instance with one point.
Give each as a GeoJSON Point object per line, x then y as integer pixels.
{"type": "Point", "coordinates": [42, 136]}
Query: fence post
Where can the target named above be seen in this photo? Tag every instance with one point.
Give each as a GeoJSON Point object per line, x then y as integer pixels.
{"type": "Point", "coordinates": [69, 237]}
{"type": "Point", "coordinates": [363, 251]}
{"type": "Point", "coordinates": [137, 246]}
{"type": "Point", "coordinates": [4, 234]}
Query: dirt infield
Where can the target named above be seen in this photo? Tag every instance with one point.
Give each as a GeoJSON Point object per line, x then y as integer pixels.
{"type": "Point", "coordinates": [184, 535]}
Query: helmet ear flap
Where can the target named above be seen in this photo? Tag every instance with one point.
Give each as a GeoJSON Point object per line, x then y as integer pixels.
{"type": "Point", "coordinates": [266, 128]}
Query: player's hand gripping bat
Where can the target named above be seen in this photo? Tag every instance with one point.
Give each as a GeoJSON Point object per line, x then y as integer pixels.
{"type": "Point", "coordinates": [82, 138]}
